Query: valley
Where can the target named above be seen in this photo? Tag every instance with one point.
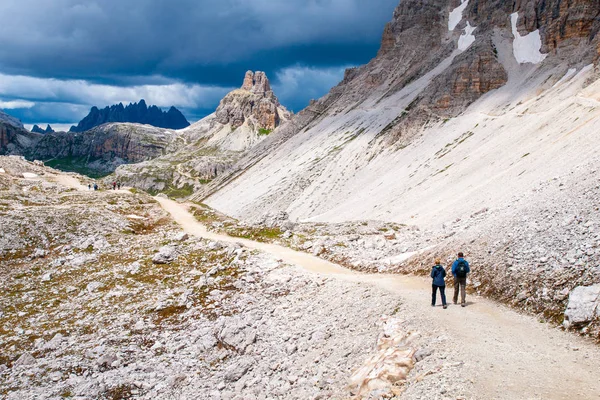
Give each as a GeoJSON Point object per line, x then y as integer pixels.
{"type": "Point", "coordinates": [264, 254]}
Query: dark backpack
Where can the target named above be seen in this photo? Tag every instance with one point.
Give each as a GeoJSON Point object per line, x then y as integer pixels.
{"type": "Point", "coordinates": [461, 269]}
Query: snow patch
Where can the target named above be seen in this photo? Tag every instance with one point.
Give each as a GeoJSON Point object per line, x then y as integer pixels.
{"type": "Point", "coordinates": [526, 48]}
{"type": "Point", "coordinates": [2, 171]}
{"type": "Point", "coordinates": [456, 15]}
{"type": "Point", "coordinates": [467, 38]}
{"type": "Point", "coordinates": [29, 175]}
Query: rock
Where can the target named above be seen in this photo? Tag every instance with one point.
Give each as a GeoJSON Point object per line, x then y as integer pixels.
{"type": "Point", "coordinates": [214, 246]}
{"type": "Point", "coordinates": [24, 360]}
{"type": "Point", "coordinates": [55, 342]}
{"type": "Point", "coordinates": [181, 237]}
{"type": "Point", "coordinates": [134, 268]}
{"type": "Point", "coordinates": [47, 277]}
{"type": "Point", "coordinates": [93, 286]}
{"type": "Point", "coordinates": [106, 360]}
{"type": "Point", "coordinates": [39, 253]}
{"type": "Point", "coordinates": [165, 255]}
{"type": "Point", "coordinates": [236, 371]}
{"type": "Point", "coordinates": [583, 306]}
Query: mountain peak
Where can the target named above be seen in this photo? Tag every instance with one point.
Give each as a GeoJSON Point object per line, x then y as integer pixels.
{"type": "Point", "coordinates": [254, 104]}
{"type": "Point", "coordinates": [256, 82]}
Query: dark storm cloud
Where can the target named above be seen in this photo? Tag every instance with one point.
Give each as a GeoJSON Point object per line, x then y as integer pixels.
{"type": "Point", "coordinates": [198, 42]}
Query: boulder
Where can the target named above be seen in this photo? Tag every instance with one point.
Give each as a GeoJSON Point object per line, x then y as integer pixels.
{"type": "Point", "coordinates": [236, 371]}
{"type": "Point", "coordinates": [583, 306]}
{"type": "Point", "coordinates": [165, 255]}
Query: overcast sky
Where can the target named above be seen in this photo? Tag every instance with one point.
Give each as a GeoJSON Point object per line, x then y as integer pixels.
{"type": "Point", "coordinates": [60, 57]}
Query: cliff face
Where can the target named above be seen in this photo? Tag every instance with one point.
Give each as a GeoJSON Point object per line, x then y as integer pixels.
{"type": "Point", "coordinates": [16, 140]}
{"type": "Point", "coordinates": [135, 113]}
{"type": "Point", "coordinates": [102, 149]}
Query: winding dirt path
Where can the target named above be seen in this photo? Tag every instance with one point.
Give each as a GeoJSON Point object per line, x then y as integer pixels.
{"type": "Point", "coordinates": [507, 355]}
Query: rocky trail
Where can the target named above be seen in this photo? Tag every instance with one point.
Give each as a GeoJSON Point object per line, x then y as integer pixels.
{"type": "Point", "coordinates": [504, 354]}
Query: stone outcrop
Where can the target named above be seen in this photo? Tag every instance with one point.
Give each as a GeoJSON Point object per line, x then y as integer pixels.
{"type": "Point", "coordinates": [254, 104]}
{"type": "Point", "coordinates": [583, 307]}
{"type": "Point", "coordinates": [136, 113]}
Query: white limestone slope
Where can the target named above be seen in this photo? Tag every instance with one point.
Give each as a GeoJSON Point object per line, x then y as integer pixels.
{"type": "Point", "coordinates": [531, 130]}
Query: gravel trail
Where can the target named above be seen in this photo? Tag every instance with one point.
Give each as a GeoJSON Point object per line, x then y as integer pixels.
{"type": "Point", "coordinates": [504, 354]}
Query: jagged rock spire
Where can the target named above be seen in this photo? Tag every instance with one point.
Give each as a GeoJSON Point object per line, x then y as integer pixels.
{"type": "Point", "coordinates": [255, 104]}
{"type": "Point", "coordinates": [256, 82]}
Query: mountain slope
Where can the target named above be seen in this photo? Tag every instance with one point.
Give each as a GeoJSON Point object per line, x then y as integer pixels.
{"type": "Point", "coordinates": [429, 114]}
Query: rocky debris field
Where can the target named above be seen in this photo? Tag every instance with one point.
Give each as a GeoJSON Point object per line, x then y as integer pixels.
{"type": "Point", "coordinates": [103, 296]}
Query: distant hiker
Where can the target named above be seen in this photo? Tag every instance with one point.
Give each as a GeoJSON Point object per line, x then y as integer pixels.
{"type": "Point", "coordinates": [460, 270]}
{"type": "Point", "coordinates": [438, 273]}
{"type": "Point", "coordinates": [95, 186]}
{"type": "Point", "coordinates": [114, 185]}
{"type": "Point", "coordinates": [119, 185]}
{"type": "Point", "coordinates": [89, 186]}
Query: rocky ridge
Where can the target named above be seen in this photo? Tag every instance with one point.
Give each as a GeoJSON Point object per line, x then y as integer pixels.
{"type": "Point", "coordinates": [138, 113]}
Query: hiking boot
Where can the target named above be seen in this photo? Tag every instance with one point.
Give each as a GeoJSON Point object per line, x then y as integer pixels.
{"type": "Point", "coordinates": [445, 306]}
{"type": "Point", "coordinates": [463, 305]}
{"type": "Point", "coordinates": [433, 305]}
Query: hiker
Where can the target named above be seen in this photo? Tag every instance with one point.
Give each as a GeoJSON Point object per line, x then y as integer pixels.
{"type": "Point", "coordinates": [119, 185]}
{"type": "Point", "coordinates": [438, 273]}
{"type": "Point", "coordinates": [89, 186]}
{"type": "Point", "coordinates": [460, 270]}
{"type": "Point", "coordinates": [95, 186]}
{"type": "Point", "coordinates": [114, 185]}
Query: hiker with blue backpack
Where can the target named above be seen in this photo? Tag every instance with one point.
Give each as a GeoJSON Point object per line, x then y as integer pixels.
{"type": "Point", "coordinates": [438, 273]}
{"type": "Point", "coordinates": [460, 270]}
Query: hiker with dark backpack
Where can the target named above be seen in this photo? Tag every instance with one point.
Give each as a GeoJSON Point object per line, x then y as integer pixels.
{"type": "Point", "coordinates": [460, 270]}
{"type": "Point", "coordinates": [438, 273]}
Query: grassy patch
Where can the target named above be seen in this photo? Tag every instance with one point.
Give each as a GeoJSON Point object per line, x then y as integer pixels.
{"type": "Point", "coordinates": [264, 132]}
{"type": "Point", "coordinates": [75, 164]}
